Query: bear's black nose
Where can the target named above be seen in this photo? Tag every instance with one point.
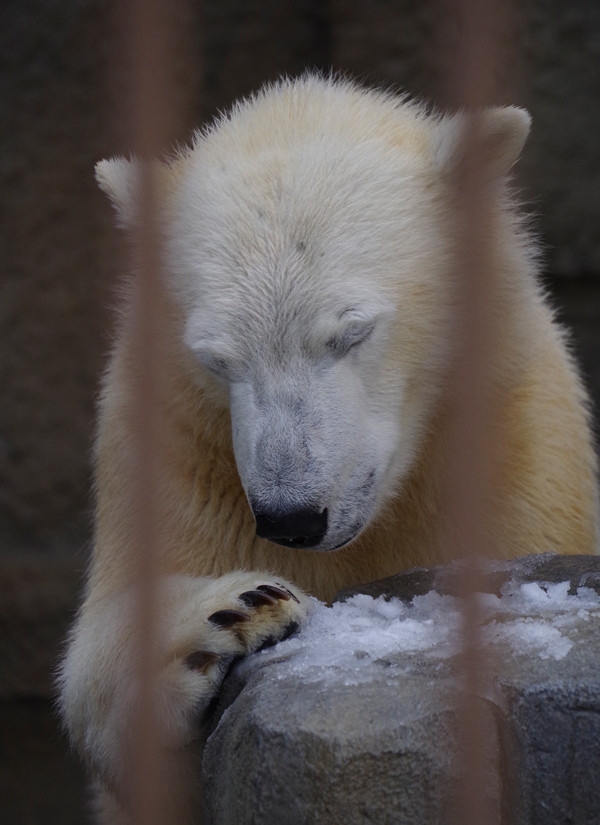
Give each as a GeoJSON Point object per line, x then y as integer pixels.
{"type": "Point", "coordinates": [292, 528]}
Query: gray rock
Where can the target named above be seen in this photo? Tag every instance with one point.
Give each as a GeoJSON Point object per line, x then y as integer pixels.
{"type": "Point", "coordinates": [387, 749]}
{"type": "Point", "coordinates": [579, 570]}
{"type": "Point", "coordinates": [305, 754]}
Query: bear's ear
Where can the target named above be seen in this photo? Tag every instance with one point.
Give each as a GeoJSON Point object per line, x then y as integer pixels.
{"type": "Point", "coordinates": [503, 131]}
{"type": "Point", "coordinates": [118, 178]}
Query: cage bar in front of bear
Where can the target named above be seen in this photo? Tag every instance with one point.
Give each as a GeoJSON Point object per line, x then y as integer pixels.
{"type": "Point", "coordinates": [147, 797]}
{"type": "Point", "coordinates": [473, 65]}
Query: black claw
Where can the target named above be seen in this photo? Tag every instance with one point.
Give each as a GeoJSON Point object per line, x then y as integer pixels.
{"type": "Point", "coordinates": [276, 592]}
{"type": "Point", "coordinates": [226, 618]}
{"type": "Point", "coordinates": [292, 596]}
{"type": "Point", "coordinates": [200, 659]}
{"type": "Point", "coordinates": [256, 598]}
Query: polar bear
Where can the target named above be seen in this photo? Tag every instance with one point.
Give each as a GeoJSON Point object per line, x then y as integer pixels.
{"type": "Point", "coordinates": [308, 312]}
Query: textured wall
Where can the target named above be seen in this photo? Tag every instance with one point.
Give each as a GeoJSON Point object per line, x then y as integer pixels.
{"type": "Point", "coordinates": [57, 105]}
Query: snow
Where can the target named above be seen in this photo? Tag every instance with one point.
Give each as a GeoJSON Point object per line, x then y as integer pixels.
{"type": "Point", "coordinates": [531, 619]}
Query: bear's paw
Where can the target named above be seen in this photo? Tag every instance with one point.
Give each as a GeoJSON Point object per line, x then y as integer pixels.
{"type": "Point", "coordinates": [248, 622]}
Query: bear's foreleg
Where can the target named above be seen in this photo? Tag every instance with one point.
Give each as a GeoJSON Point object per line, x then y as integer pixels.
{"type": "Point", "coordinates": [203, 624]}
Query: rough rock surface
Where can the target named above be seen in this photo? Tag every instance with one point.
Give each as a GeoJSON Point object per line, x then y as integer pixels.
{"type": "Point", "coordinates": [579, 571]}
{"type": "Point", "coordinates": [385, 749]}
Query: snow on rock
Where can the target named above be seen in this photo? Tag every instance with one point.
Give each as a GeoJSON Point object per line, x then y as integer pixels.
{"type": "Point", "coordinates": [346, 639]}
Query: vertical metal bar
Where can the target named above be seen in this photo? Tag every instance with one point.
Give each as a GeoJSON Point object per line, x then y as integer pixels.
{"type": "Point", "coordinates": [472, 68]}
{"type": "Point", "coordinates": [146, 43]}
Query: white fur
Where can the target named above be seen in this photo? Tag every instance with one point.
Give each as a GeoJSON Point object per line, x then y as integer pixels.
{"type": "Point", "coordinates": [309, 240]}
{"type": "Point", "coordinates": [99, 686]}
{"type": "Point", "coordinates": [281, 247]}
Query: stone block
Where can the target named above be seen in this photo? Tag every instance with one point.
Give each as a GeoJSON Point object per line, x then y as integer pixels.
{"type": "Point", "coordinates": [384, 746]}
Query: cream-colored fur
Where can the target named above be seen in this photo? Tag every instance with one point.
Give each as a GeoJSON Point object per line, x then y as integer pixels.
{"type": "Point", "coordinates": [311, 200]}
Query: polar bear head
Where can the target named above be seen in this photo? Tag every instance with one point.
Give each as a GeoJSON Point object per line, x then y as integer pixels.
{"type": "Point", "coordinates": [308, 246]}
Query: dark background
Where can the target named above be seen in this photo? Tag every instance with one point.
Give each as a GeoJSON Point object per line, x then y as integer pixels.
{"type": "Point", "coordinates": [63, 95]}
